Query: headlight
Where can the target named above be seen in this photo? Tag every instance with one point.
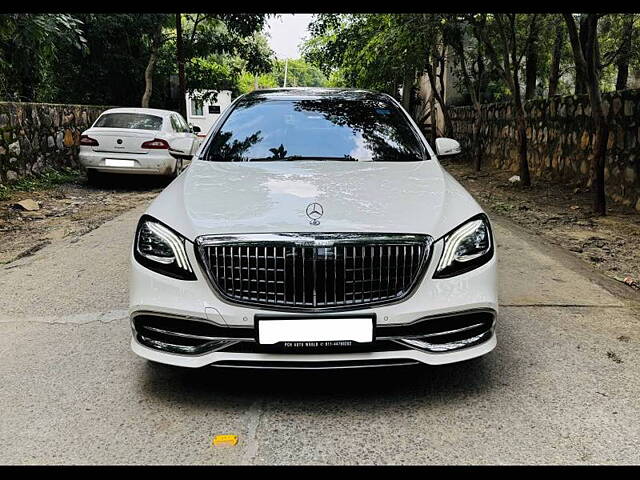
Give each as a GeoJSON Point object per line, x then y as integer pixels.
{"type": "Point", "coordinates": [465, 248]}
{"type": "Point", "coordinates": [162, 250]}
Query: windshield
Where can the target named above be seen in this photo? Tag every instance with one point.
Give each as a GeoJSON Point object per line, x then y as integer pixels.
{"type": "Point", "coordinates": [129, 120]}
{"type": "Point", "coordinates": [315, 129]}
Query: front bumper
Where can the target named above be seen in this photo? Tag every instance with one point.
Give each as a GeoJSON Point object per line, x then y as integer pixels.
{"type": "Point", "coordinates": [314, 361]}
{"type": "Point", "coordinates": [474, 291]}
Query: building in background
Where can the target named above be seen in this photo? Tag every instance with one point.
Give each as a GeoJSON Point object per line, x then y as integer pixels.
{"type": "Point", "coordinates": [204, 113]}
{"type": "Point", "coordinates": [426, 101]}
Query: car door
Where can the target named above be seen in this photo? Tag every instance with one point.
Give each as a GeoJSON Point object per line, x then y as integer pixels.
{"type": "Point", "coordinates": [184, 139]}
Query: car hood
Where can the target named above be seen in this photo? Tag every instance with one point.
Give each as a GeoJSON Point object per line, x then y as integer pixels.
{"type": "Point", "coordinates": [270, 197]}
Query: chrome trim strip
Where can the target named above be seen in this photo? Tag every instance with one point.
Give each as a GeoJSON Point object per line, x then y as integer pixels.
{"type": "Point", "coordinates": [183, 349]}
{"type": "Point", "coordinates": [447, 347]}
{"type": "Point", "coordinates": [309, 365]}
{"type": "Point", "coordinates": [312, 239]}
{"type": "Point", "coordinates": [189, 335]}
{"type": "Point", "coordinates": [458, 313]}
{"type": "Point", "coordinates": [448, 332]}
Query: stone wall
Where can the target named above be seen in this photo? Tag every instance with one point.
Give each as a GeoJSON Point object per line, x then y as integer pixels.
{"type": "Point", "coordinates": [560, 134]}
{"type": "Point", "coordinates": [38, 136]}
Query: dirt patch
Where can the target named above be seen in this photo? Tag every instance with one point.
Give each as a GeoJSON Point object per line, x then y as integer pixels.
{"type": "Point", "coordinates": [562, 215]}
{"type": "Point", "coordinates": [71, 209]}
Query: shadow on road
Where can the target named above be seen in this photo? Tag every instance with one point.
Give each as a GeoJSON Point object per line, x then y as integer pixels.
{"type": "Point", "coordinates": [397, 384]}
{"type": "Point", "coordinates": [120, 182]}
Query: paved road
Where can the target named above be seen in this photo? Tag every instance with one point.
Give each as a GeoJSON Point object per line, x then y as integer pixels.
{"type": "Point", "coordinates": [563, 385]}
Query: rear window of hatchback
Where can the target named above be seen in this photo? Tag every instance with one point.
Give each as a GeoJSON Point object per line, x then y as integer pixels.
{"type": "Point", "coordinates": [138, 121]}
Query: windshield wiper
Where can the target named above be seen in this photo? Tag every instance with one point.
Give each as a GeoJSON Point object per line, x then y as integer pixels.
{"type": "Point", "coordinates": [345, 158]}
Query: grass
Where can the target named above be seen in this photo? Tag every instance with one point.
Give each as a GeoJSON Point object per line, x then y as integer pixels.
{"type": "Point", "coordinates": [47, 179]}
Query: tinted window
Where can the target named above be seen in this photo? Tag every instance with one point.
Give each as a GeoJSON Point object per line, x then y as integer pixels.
{"type": "Point", "coordinates": [130, 120]}
{"type": "Point", "coordinates": [315, 129]}
{"type": "Point", "coordinates": [196, 108]}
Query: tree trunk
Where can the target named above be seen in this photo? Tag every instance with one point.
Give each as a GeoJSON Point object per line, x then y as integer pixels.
{"type": "Point", "coordinates": [581, 79]}
{"type": "Point", "coordinates": [476, 147]}
{"type": "Point", "coordinates": [148, 72]}
{"type": "Point", "coordinates": [431, 75]}
{"type": "Point", "coordinates": [407, 87]}
{"type": "Point", "coordinates": [586, 56]}
{"type": "Point", "coordinates": [554, 75]}
{"type": "Point", "coordinates": [521, 127]}
{"type": "Point", "coordinates": [182, 84]}
{"type": "Point", "coordinates": [148, 80]}
{"type": "Point", "coordinates": [434, 119]}
{"type": "Point", "coordinates": [625, 53]}
{"type": "Point", "coordinates": [531, 68]}
{"type": "Point", "coordinates": [598, 157]}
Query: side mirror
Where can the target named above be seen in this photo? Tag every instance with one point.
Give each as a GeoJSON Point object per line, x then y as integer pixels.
{"type": "Point", "coordinates": [180, 155]}
{"type": "Point", "coordinates": [195, 129]}
{"type": "Point", "coordinates": [447, 146]}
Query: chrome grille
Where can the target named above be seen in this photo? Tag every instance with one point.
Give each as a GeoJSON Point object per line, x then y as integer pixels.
{"type": "Point", "coordinates": [314, 271]}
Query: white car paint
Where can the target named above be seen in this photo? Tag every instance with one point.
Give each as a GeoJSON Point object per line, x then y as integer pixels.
{"type": "Point", "coordinates": [271, 197]}
{"type": "Point", "coordinates": [124, 145]}
{"type": "Point", "coordinates": [447, 146]}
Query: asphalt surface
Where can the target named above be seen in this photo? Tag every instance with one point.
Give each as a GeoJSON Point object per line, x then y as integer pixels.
{"type": "Point", "coordinates": [562, 387]}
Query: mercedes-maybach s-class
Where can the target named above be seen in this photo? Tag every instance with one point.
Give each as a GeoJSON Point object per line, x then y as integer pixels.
{"type": "Point", "coordinates": [314, 228]}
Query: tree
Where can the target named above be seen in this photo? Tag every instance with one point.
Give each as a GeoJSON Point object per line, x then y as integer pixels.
{"type": "Point", "coordinates": [584, 44]}
{"type": "Point", "coordinates": [182, 82]}
{"type": "Point", "coordinates": [381, 52]}
{"type": "Point", "coordinates": [470, 62]}
{"type": "Point", "coordinates": [505, 36]}
{"type": "Point", "coordinates": [153, 28]}
{"type": "Point", "coordinates": [556, 57]}
{"type": "Point", "coordinates": [216, 48]}
{"type": "Point", "coordinates": [110, 70]}
{"type": "Point", "coordinates": [29, 44]}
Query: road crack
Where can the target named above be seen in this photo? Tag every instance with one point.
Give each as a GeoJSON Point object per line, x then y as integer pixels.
{"type": "Point", "coordinates": [255, 413]}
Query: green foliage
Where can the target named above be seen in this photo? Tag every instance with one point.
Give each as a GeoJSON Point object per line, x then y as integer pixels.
{"type": "Point", "coordinates": [47, 179]}
{"type": "Point", "coordinates": [110, 71]}
{"type": "Point", "coordinates": [299, 74]}
{"type": "Point", "coordinates": [220, 47]}
{"type": "Point", "coordinates": [101, 58]}
{"type": "Point", "coordinates": [29, 44]}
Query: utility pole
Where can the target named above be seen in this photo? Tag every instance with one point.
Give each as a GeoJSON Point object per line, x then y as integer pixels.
{"type": "Point", "coordinates": [286, 67]}
{"type": "Point", "coordinates": [182, 86]}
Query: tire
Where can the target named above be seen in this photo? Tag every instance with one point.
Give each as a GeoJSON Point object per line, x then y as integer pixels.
{"type": "Point", "coordinates": [178, 168]}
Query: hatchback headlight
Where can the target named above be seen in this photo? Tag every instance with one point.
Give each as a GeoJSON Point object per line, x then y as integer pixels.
{"type": "Point", "coordinates": [465, 248]}
{"type": "Point", "coordinates": [162, 250]}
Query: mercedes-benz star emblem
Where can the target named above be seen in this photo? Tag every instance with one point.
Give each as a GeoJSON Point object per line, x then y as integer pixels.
{"type": "Point", "coordinates": [314, 212]}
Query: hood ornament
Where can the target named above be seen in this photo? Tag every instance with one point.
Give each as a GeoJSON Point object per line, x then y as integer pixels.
{"type": "Point", "coordinates": [314, 212]}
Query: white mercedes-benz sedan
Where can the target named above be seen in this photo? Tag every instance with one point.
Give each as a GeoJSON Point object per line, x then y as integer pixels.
{"type": "Point", "coordinates": [314, 228]}
{"type": "Point", "coordinates": [136, 140]}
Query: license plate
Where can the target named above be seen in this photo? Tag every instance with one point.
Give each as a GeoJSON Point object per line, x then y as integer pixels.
{"type": "Point", "coordinates": [274, 331]}
{"type": "Point", "coordinates": [112, 162]}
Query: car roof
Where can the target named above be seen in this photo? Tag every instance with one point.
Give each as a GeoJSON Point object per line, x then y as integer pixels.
{"type": "Point", "coordinates": [311, 93]}
{"type": "Point", "coordinates": [149, 111]}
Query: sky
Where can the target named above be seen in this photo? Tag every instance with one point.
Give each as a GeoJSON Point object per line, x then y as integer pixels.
{"type": "Point", "coordinates": [286, 32]}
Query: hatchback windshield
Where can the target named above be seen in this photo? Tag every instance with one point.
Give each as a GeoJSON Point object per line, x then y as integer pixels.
{"type": "Point", "coordinates": [315, 129]}
{"type": "Point", "coordinates": [140, 121]}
